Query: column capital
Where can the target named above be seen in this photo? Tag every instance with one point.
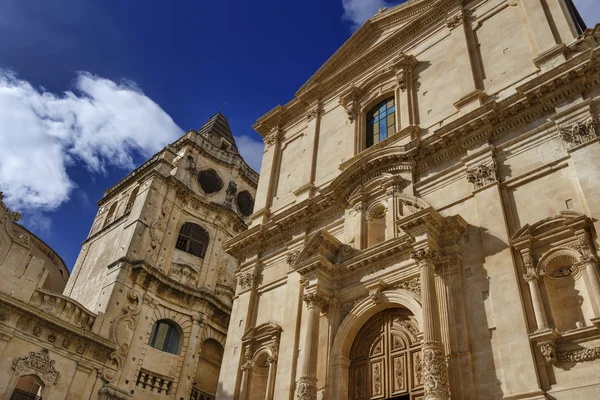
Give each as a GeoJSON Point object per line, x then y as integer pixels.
{"type": "Point", "coordinates": [531, 275]}
{"type": "Point", "coordinates": [274, 136]}
{"type": "Point", "coordinates": [403, 64]}
{"type": "Point", "coordinates": [307, 388]}
{"type": "Point", "coordinates": [482, 175]}
{"type": "Point", "coordinates": [315, 299]}
{"type": "Point", "coordinates": [425, 256]}
{"type": "Point", "coordinates": [456, 20]}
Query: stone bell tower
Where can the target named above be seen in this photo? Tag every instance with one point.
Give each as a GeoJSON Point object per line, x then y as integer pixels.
{"type": "Point", "coordinates": [154, 269]}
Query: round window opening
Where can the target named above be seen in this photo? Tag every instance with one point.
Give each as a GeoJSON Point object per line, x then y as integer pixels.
{"type": "Point", "coordinates": [210, 181]}
{"type": "Point", "coordinates": [245, 203]}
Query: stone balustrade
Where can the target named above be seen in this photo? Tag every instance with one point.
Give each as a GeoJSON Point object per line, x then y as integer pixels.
{"type": "Point", "coordinates": [63, 308]}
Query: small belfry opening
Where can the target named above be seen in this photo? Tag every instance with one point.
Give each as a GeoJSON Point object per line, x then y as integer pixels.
{"type": "Point", "coordinates": [29, 387]}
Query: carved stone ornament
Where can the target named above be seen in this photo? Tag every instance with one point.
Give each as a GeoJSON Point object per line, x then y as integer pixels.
{"type": "Point", "coordinates": [38, 363]}
{"type": "Point", "coordinates": [247, 280]}
{"type": "Point", "coordinates": [482, 175]}
{"type": "Point", "coordinates": [435, 371]}
{"type": "Point", "coordinates": [403, 65]}
{"type": "Point", "coordinates": [292, 257]}
{"type": "Point", "coordinates": [414, 285]}
{"type": "Point", "coordinates": [562, 272]}
{"type": "Point", "coordinates": [346, 308]}
{"type": "Point", "coordinates": [157, 232]}
{"type": "Point", "coordinates": [307, 388]}
{"type": "Point", "coordinates": [314, 300]}
{"type": "Point", "coordinates": [548, 350]}
{"type": "Point", "coordinates": [273, 136]}
{"type": "Point", "coordinates": [455, 20]}
{"type": "Point", "coordinates": [375, 295]}
{"type": "Point", "coordinates": [574, 356]}
{"type": "Point", "coordinates": [349, 100]}
{"type": "Point", "coordinates": [184, 274]}
{"type": "Point", "coordinates": [314, 112]}
{"type": "Point", "coordinates": [425, 255]}
{"type": "Point", "coordinates": [230, 194]}
{"type": "Point", "coordinates": [579, 133]}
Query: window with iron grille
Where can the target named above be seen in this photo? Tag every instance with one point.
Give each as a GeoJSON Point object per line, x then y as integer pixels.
{"type": "Point", "coordinates": [193, 239]}
{"type": "Point", "coordinates": [381, 122]}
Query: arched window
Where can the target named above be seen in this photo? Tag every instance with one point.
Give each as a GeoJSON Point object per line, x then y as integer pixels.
{"type": "Point", "coordinates": [28, 387]}
{"type": "Point", "coordinates": [193, 239]}
{"type": "Point", "coordinates": [381, 122]}
{"type": "Point", "coordinates": [210, 181]}
{"type": "Point", "coordinates": [111, 213]}
{"type": "Point", "coordinates": [165, 336]}
{"type": "Point", "coordinates": [132, 198]}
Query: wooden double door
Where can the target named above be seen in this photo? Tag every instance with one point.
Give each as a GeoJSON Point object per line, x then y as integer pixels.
{"type": "Point", "coordinates": [385, 359]}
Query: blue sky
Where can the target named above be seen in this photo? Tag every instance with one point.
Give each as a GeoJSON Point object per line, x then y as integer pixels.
{"type": "Point", "coordinates": [90, 89]}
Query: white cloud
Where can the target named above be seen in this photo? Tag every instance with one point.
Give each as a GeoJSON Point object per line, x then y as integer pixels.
{"type": "Point", "coordinates": [99, 124]}
{"type": "Point", "coordinates": [251, 150]}
{"type": "Point", "coordinates": [589, 10]}
{"type": "Point", "coordinates": [358, 11]}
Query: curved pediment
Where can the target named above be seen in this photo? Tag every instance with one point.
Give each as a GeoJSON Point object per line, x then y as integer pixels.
{"type": "Point", "coordinates": [564, 221]}
{"type": "Point", "coordinates": [268, 329]}
{"type": "Point", "coordinates": [387, 162]}
{"type": "Point", "coordinates": [322, 244]}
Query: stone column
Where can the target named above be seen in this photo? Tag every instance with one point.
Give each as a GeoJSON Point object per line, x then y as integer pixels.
{"type": "Point", "coordinates": [539, 24]}
{"type": "Point", "coordinates": [592, 275]}
{"type": "Point", "coordinates": [270, 168]}
{"type": "Point", "coordinates": [464, 59]}
{"type": "Point", "coordinates": [312, 137]}
{"type": "Point", "coordinates": [246, 373]}
{"type": "Point", "coordinates": [536, 298]}
{"type": "Point", "coordinates": [272, 370]}
{"type": "Point", "coordinates": [435, 370]}
{"type": "Point", "coordinates": [307, 385]}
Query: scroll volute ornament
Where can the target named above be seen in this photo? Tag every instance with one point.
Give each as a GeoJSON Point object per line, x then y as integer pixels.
{"type": "Point", "coordinates": [349, 100]}
{"type": "Point", "coordinates": [403, 65]}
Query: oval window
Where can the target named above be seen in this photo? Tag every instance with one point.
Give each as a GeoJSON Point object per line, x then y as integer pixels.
{"type": "Point", "coordinates": [210, 181]}
{"type": "Point", "coordinates": [245, 203]}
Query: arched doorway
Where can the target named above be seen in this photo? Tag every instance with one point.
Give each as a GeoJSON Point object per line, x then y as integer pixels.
{"type": "Point", "coordinates": [207, 371]}
{"type": "Point", "coordinates": [29, 387]}
{"type": "Point", "coordinates": [385, 359]}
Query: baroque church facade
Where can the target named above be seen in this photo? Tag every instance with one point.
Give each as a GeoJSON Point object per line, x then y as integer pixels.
{"type": "Point", "coordinates": [144, 314]}
{"type": "Point", "coordinates": [440, 240]}
{"type": "Point", "coordinates": [425, 227]}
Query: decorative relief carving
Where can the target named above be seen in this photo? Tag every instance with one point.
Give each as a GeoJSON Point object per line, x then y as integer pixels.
{"type": "Point", "coordinates": [482, 175]}
{"type": "Point", "coordinates": [315, 300]}
{"type": "Point", "coordinates": [346, 308]}
{"type": "Point", "coordinates": [552, 356]}
{"type": "Point", "coordinates": [314, 112]}
{"type": "Point", "coordinates": [307, 388]}
{"type": "Point", "coordinates": [375, 295]}
{"type": "Point", "coordinates": [581, 355]}
{"type": "Point", "coordinates": [273, 136]}
{"type": "Point", "coordinates": [349, 100]}
{"type": "Point", "coordinates": [376, 379]}
{"type": "Point", "coordinates": [121, 330]}
{"type": "Point", "coordinates": [230, 194]}
{"type": "Point", "coordinates": [562, 272]}
{"type": "Point", "coordinates": [579, 133]}
{"type": "Point", "coordinates": [403, 65]}
{"type": "Point", "coordinates": [435, 371]}
{"type": "Point", "coordinates": [14, 216]}
{"type": "Point", "coordinates": [184, 274]}
{"type": "Point", "coordinates": [38, 363]}
{"type": "Point", "coordinates": [414, 285]}
{"type": "Point", "coordinates": [247, 280]}
{"type": "Point", "coordinates": [455, 20]}
{"type": "Point", "coordinates": [425, 255]}
{"type": "Point", "coordinates": [418, 369]}
{"type": "Point", "coordinates": [292, 257]}
{"type": "Point", "coordinates": [548, 350]}
{"type": "Point", "coordinates": [399, 374]}
{"type": "Point", "coordinates": [157, 232]}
